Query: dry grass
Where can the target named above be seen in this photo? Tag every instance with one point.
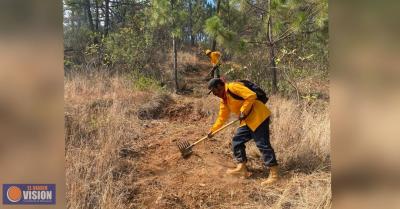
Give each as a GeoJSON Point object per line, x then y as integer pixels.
{"type": "Point", "coordinates": [301, 135]}
{"type": "Point", "coordinates": [110, 159]}
{"type": "Point", "coordinates": [186, 58]}
{"type": "Point", "coordinates": [97, 131]}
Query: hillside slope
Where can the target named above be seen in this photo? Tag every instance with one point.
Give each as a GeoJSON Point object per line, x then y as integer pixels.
{"type": "Point", "coordinates": [121, 152]}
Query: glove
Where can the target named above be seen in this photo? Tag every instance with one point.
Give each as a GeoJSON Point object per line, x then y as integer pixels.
{"type": "Point", "coordinates": [210, 134]}
{"type": "Point", "coordinates": [242, 116]}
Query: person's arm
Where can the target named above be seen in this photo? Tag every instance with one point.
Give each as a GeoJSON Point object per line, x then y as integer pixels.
{"type": "Point", "coordinates": [248, 96]}
{"type": "Point", "coordinates": [223, 116]}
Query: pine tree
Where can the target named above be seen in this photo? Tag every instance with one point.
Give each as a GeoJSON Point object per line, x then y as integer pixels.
{"type": "Point", "coordinates": [276, 21]}
{"type": "Point", "coordinates": [170, 13]}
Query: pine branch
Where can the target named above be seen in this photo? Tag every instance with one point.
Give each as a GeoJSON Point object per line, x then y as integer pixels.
{"type": "Point", "coordinates": [290, 30]}
{"type": "Point", "coordinates": [255, 42]}
{"type": "Point", "coordinates": [261, 9]}
{"type": "Point", "coordinates": [116, 4]}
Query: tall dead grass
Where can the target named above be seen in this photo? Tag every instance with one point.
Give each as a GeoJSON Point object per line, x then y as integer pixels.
{"type": "Point", "coordinates": [100, 140]}
{"type": "Point", "coordinates": [300, 135]}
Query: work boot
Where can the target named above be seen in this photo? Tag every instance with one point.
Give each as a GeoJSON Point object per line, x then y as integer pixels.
{"type": "Point", "coordinates": [239, 171]}
{"type": "Point", "coordinates": [272, 177]}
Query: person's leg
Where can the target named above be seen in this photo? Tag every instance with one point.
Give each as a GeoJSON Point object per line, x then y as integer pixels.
{"type": "Point", "coordinates": [243, 135]}
{"type": "Point", "coordinates": [261, 138]}
{"type": "Point", "coordinates": [212, 73]}
{"type": "Point", "coordinates": [217, 74]}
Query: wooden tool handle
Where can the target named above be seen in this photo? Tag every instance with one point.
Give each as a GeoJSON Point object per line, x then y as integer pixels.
{"type": "Point", "coordinates": [218, 130]}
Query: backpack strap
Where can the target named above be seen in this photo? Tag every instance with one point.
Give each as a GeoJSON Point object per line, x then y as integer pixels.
{"type": "Point", "coordinates": [235, 95]}
{"type": "Point", "coordinates": [239, 98]}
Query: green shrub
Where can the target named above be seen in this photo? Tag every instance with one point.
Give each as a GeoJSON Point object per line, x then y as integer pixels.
{"type": "Point", "coordinates": [144, 82]}
{"type": "Point", "coordinates": [125, 47]}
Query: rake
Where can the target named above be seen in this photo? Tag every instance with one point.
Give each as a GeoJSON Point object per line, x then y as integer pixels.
{"type": "Point", "coordinates": [186, 148]}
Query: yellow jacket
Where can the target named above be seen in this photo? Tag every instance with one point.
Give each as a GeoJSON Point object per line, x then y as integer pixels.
{"type": "Point", "coordinates": [255, 110]}
{"type": "Point", "coordinates": [214, 56]}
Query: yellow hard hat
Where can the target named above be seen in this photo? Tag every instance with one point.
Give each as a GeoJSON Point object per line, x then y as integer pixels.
{"type": "Point", "coordinates": [208, 51]}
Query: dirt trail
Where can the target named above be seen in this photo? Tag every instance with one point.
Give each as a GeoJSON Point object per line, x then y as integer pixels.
{"type": "Point", "coordinates": [165, 180]}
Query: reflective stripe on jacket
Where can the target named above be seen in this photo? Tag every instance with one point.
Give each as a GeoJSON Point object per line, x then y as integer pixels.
{"type": "Point", "coordinates": [255, 110]}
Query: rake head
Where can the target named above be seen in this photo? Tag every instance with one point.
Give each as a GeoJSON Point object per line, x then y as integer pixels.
{"type": "Point", "coordinates": [185, 148]}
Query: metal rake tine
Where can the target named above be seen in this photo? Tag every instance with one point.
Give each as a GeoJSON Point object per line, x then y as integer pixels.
{"type": "Point", "coordinates": [187, 145]}
{"type": "Point", "coordinates": [183, 145]}
{"type": "Point", "coordinates": [180, 146]}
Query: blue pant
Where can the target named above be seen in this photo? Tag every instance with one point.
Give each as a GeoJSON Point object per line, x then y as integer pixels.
{"type": "Point", "coordinates": [261, 138]}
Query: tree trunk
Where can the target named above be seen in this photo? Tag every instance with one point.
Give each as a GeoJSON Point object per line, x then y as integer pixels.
{"type": "Point", "coordinates": [191, 23]}
{"type": "Point", "coordinates": [273, 68]}
{"type": "Point", "coordinates": [106, 17]}
{"type": "Point", "coordinates": [79, 20]}
{"type": "Point", "coordinates": [175, 53]}
{"type": "Point", "coordinates": [72, 20]}
{"type": "Point", "coordinates": [271, 46]}
{"type": "Point", "coordinates": [214, 43]}
{"type": "Point", "coordinates": [229, 14]}
{"type": "Point", "coordinates": [97, 15]}
{"type": "Point", "coordinates": [175, 63]}
{"type": "Point", "coordinates": [89, 15]}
